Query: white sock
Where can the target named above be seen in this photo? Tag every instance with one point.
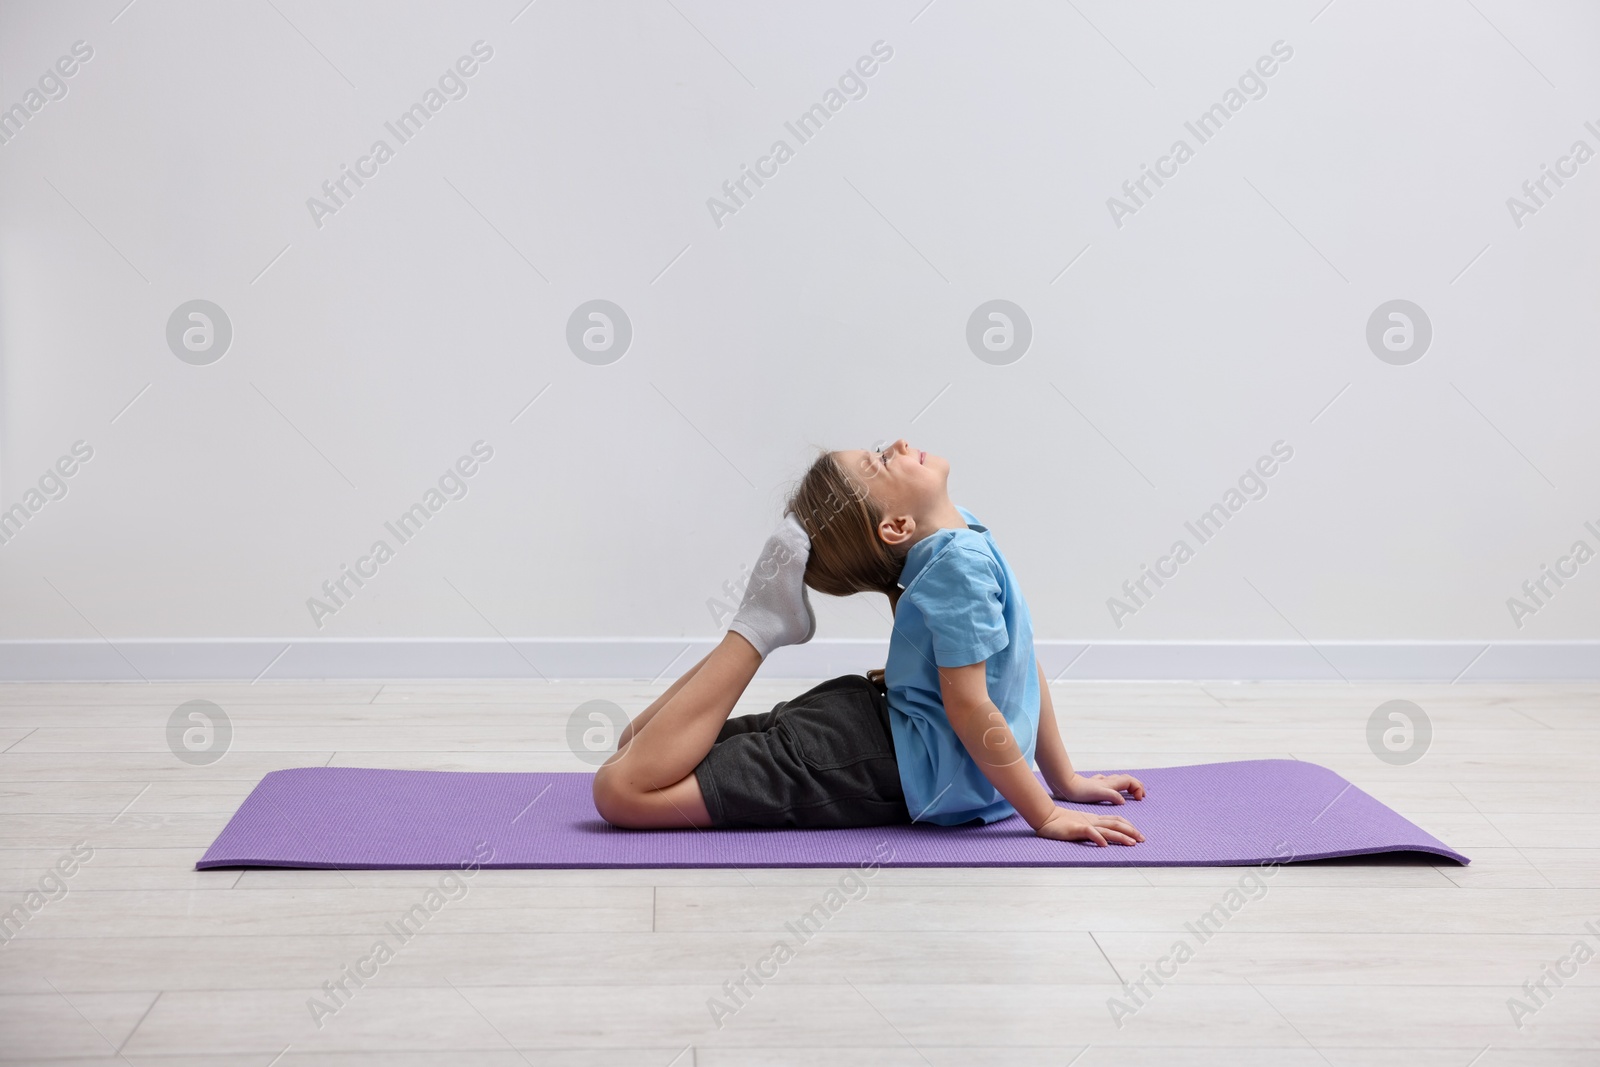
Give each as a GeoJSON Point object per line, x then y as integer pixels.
{"type": "Point", "coordinates": [776, 610]}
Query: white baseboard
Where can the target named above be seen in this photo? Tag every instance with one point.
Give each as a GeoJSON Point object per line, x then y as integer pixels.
{"type": "Point", "coordinates": [651, 658]}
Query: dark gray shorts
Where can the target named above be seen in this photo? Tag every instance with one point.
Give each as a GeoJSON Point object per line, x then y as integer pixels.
{"type": "Point", "coordinates": [823, 760]}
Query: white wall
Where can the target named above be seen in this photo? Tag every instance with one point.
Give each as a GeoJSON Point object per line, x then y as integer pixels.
{"type": "Point", "coordinates": [831, 309]}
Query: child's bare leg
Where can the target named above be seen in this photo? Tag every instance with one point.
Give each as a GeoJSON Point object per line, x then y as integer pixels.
{"type": "Point", "coordinates": [656, 705]}
{"type": "Point", "coordinates": [650, 783]}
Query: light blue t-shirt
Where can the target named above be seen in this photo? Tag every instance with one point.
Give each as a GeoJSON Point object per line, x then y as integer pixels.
{"type": "Point", "coordinates": [960, 605]}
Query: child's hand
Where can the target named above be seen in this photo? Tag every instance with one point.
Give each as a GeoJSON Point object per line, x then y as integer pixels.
{"type": "Point", "coordinates": [1067, 825]}
{"type": "Point", "coordinates": [1099, 789]}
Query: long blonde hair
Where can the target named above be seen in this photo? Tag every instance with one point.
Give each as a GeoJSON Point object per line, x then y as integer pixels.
{"type": "Point", "coordinates": [847, 556]}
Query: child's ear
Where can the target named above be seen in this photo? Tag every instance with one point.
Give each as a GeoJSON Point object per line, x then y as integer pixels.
{"type": "Point", "coordinates": [897, 530]}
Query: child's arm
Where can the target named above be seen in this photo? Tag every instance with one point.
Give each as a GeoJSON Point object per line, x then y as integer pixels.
{"type": "Point", "coordinates": [988, 740]}
{"type": "Point", "coordinates": [1056, 765]}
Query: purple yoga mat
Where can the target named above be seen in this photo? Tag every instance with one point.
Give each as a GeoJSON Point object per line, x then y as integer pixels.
{"type": "Point", "coordinates": [1208, 815]}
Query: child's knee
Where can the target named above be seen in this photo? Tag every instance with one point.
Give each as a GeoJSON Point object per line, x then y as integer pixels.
{"type": "Point", "coordinates": [614, 800]}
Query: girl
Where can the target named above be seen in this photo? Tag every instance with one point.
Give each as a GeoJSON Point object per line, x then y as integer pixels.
{"type": "Point", "coordinates": [944, 734]}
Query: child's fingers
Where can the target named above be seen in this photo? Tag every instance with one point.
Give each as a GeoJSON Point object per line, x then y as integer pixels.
{"type": "Point", "coordinates": [1124, 783]}
{"type": "Point", "coordinates": [1118, 839]}
{"type": "Point", "coordinates": [1095, 835]}
{"type": "Point", "coordinates": [1120, 825]}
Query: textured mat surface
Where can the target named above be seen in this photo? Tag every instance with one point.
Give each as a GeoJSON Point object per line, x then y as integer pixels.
{"type": "Point", "coordinates": [1208, 815]}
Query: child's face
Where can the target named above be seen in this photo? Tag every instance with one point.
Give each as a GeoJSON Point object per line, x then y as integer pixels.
{"type": "Point", "coordinates": [900, 479]}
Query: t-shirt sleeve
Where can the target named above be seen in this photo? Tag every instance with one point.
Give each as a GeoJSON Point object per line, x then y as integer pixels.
{"type": "Point", "coordinates": [960, 599]}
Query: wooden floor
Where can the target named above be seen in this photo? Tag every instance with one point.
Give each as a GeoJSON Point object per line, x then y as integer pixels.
{"type": "Point", "coordinates": [1408, 962]}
